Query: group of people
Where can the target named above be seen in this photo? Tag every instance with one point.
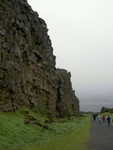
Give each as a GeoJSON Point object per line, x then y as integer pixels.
{"type": "Point", "coordinates": [102, 118]}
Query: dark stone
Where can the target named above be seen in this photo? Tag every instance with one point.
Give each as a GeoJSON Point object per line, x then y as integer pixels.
{"type": "Point", "coordinates": [27, 64]}
{"type": "Point", "coordinates": [46, 127]}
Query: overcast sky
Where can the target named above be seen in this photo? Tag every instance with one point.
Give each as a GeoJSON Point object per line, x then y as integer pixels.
{"type": "Point", "coordinates": [81, 32]}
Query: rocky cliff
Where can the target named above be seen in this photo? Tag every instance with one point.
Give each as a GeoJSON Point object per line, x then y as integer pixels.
{"type": "Point", "coordinates": [67, 102]}
{"type": "Point", "coordinates": [28, 76]}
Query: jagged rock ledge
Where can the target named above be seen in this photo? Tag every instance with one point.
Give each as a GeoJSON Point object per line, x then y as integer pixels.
{"type": "Point", "coordinates": [28, 76]}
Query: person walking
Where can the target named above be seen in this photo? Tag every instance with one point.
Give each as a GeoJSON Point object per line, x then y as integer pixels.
{"type": "Point", "coordinates": [100, 119]}
{"type": "Point", "coordinates": [108, 120]}
{"type": "Point", "coordinates": [104, 118]}
{"type": "Point", "coordinates": [94, 116]}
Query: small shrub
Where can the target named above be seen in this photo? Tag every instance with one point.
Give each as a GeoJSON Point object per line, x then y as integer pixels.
{"type": "Point", "coordinates": [68, 111]}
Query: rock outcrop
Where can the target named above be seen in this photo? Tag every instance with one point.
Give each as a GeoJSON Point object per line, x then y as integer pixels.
{"type": "Point", "coordinates": [67, 102]}
{"type": "Point", "coordinates": [27, 64]}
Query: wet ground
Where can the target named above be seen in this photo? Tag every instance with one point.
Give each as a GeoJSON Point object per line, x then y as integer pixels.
{"type": "Point", "coordinates": [101, 136]}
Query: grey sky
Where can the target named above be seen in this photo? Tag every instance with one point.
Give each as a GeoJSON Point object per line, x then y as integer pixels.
{"type": "Point", "coordinates": [82, 37]}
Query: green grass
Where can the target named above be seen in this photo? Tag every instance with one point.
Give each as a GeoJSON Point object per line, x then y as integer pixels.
{"type": "Point", "coordinates": [64, 134]}
{"type": "Point", "coordinates": [76, 138]}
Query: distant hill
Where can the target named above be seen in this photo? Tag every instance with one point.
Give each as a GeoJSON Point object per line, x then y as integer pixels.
{"type": "Point", "coordinates": [105, 109]}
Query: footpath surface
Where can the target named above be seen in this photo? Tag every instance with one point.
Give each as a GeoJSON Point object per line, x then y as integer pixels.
{"type": "Point", "coordinates": [101, 136]}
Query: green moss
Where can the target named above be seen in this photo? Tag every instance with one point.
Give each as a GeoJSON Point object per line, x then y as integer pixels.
{"type": "Point", "coordinates": [3, 56]}
{"type": "Point", "coordinates": [40, 108]}
{"type": "Point", "coordinates": [68, 111]}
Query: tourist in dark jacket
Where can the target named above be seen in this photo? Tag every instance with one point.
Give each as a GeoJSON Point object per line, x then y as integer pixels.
{"type": "Point", "coordinates": [108, 120]}
{"type": "Point", "coordinates": [94, 116]}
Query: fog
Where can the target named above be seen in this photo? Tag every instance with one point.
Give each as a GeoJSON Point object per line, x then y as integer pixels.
{"type": "Point", "coordinates": [81, 32]}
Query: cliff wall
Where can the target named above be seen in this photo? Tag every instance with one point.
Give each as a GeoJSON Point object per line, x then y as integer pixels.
{"type": "Point", "coordinates": [27, 64]}
{"type": "Point", "coordinates": [67, 102]}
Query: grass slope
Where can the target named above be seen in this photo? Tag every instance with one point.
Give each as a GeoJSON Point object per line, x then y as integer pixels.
{"type": "Point", "coordinates": [71, 134]}
{"type": "Point", "coordinates": [76, 139]}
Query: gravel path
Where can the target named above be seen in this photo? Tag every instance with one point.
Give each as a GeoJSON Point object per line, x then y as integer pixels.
{"type": "Point", "coordinates": [101, 136]}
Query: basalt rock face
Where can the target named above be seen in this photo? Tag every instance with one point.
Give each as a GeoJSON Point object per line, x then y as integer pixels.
{"type": "Point", "coordinates": [27, 64]}
{"type": "Point", "coordinates": [67, 102]}
{"type": "Point", "coordinates": [27, 61]}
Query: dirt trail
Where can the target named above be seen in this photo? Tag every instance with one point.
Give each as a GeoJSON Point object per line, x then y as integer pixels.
{"type": "Point", "coordinates": [101, 136]}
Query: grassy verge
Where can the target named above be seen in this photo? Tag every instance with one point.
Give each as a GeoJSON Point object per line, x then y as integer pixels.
{"type": "Point", "coordinates": [76, 139]}
{"type": "Point", "coordinates": [63, 134]}
{"type": "Point", "coordinates": [107, 114]}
